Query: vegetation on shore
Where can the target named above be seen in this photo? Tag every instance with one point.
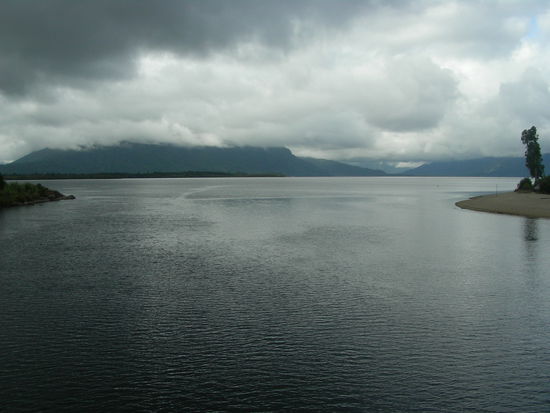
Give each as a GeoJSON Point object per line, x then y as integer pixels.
{"type": "Point", "coordinates": [543, 186]}
{"type": "Point", "coordinates": [533, 162]}
{"type": "Point", "coordinates": [525, 185]}
{"type": "Point", "coordinates": [533, 156]}
{"type": "Point", "coordinates": [15, 194]}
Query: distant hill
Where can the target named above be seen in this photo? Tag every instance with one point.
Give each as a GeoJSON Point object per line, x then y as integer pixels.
{"type": "Point", "coordinates": [149, 158]}
{"type": "Point", "coordinates": [511, 166]}
{"type": "Point", "coordinates": [335, 168]}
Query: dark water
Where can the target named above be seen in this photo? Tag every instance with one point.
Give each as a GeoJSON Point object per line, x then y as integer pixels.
{"type": "Point", "coordinates": [341, 294]}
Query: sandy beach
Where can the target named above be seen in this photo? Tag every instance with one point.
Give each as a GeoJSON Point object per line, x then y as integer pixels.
{"type": "Point", "coordinates": [530, 205]}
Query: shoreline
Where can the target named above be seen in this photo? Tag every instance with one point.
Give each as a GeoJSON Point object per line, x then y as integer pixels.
{"type": "Point", "coordinates": [40, 201]}
{"type": "Point", "coordinates": [526, 204]}
{"type": "Point", "coordinates": [125, 175]}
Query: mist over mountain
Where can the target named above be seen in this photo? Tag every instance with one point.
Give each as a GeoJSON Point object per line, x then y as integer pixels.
{"type": "Point", "coordinates": [149, 158]}
{"type": "Point", "coordinates": [488, 166]}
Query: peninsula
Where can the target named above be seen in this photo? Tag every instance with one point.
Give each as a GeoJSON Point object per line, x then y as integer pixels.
{"type": "Point", "coordinates": [527, 204]}
{"type": "Point", "coordinates": [530, 199]}
{"type": "Point", "coordinates": [17, 194]}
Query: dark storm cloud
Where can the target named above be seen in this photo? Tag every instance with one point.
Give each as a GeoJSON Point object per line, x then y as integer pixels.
{"type": "Point", "coordinates": [64, 40]}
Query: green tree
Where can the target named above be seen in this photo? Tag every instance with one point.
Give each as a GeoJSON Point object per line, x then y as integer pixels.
{"type": "Point", "coordinates": [533, 157]}
{"type": "Point", "coordinates": [2, 182]}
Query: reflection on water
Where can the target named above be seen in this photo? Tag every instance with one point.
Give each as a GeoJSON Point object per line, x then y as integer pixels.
{"type": "Point", "coordinates": [530, 234]}
{"type": "Point", "coordinates": [530, 229]}
{"type": "Point", "coordinates": [359, 294]}
{"type": "Point", "coordinates": [531, 245]}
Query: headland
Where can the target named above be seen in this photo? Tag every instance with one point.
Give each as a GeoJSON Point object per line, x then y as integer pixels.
{"type": "Point", "coordinates": [16, 194]}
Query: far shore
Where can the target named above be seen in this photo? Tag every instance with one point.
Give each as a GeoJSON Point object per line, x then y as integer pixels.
{"type": "Point", "coordinates": [530, 204]}
{"type": "Point", "coordinates": [125, 175]}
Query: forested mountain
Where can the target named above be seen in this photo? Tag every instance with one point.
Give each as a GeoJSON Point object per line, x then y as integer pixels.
{"type": "Point", "coordinates": [149, 158]}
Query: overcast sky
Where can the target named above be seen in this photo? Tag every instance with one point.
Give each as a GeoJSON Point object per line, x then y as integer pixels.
{"type": "Point", "coordinates": [397, 80]}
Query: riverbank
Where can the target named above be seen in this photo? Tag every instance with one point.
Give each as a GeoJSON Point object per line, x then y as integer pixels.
{"type": "Point", "coordinates": [531, 205]}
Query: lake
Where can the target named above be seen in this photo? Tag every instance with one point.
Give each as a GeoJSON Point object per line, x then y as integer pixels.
{"type": "Point", "coordinates": [274, 294]}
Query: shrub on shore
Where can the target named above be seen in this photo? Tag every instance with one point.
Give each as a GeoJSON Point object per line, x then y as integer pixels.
{"type": "Point", "coordinates": [525, 185]}
{"type": "Point", "coordinates": [544, 185]}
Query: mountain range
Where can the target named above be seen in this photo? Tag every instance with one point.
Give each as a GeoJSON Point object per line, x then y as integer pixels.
{"type": "Point", "coordinates": [150, 158]}
{"type": "Point", "coordinates": [488, 166]}
{"type": "Point", "coordinates": [138, 158]}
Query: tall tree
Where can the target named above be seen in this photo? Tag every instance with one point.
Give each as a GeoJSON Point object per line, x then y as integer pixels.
{"type": "Point", "coordinates": [533, 157]}
{"type": "Point", "coordinates": [2, 182]}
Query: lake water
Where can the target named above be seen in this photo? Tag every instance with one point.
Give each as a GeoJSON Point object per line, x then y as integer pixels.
{"type": "Point", "coordinates": [274, 294]}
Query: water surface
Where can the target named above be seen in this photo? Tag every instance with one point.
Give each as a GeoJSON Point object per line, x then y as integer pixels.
{"type": "Point", "coordinates": [274, 294]}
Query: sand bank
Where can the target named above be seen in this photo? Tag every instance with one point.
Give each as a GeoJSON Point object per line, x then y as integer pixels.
{"type": "Point", "coordinates": [513, 203]}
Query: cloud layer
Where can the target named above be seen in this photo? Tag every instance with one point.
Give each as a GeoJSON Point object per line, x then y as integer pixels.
{"type": "Point", "coordinates": [402, 81]}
